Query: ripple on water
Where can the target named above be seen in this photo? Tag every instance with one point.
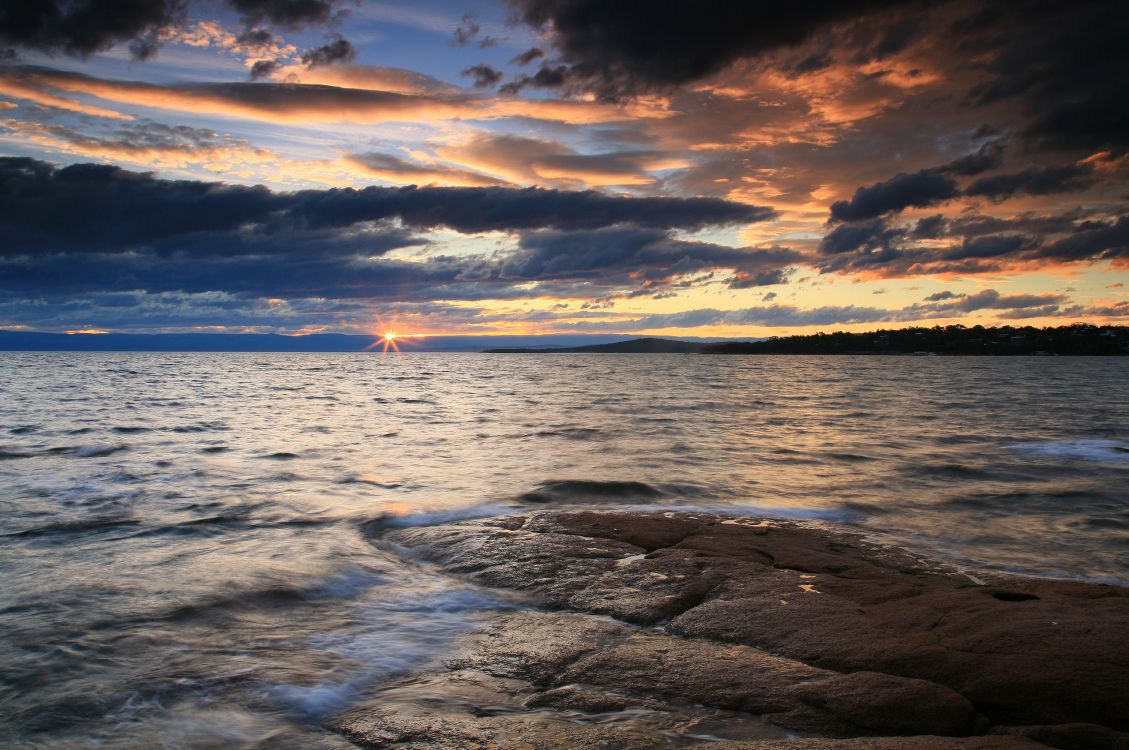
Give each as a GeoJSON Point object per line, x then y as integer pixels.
{"type": "Point", "coordinates": [1079, 450]}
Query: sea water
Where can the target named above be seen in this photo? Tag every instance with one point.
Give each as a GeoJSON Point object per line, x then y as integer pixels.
{"type": "Point", "coordinates": [185, 539]}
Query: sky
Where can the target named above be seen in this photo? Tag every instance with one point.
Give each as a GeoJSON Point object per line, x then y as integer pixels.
{"type": "Point", "coordinates": [561, 166]}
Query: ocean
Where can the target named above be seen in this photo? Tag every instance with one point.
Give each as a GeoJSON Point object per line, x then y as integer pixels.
{"type": "Point", "coordinates": [186, 557]}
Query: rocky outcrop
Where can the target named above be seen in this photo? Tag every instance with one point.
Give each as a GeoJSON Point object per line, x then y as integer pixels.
{"type": "Point", "coordinates": [812, 630]}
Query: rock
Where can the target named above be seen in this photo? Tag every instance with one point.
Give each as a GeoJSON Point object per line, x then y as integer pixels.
{"type": "Point", "coordinates": [1071, 736]}
{"type": "Point", "coordinates": [552, 649]}
{"type": "Point", "coordinates": [887, 743]}
{"type": "Point", "coordinates": [814, 602]}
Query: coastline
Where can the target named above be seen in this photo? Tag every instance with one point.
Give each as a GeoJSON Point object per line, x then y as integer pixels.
{"type": "Point", "coordinates": [636, 629]}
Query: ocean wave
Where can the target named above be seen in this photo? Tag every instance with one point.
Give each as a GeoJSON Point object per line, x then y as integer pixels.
{"type": "Point", "coordinates": [369, 480]}
{"type": "Point", "coordinates": [568, 433]}
{"type": "Point", "coordinates": [398, 636]}
{"type": "Point", "coordinates": [588, 490]}
{"type": "Point", "coordinates": [98, 450]}
{"type": "Point", "coordinates": [437, 516]}
{"type": "Point", "coordinates": [74, 527]}
{"type": "Point", "coordinates": [1084, 450]}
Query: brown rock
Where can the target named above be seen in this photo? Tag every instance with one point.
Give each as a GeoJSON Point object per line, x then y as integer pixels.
{"type": "Point", "coordinates": [888, 743]}
{"type": "Point", "coordinates": [1023, 651]}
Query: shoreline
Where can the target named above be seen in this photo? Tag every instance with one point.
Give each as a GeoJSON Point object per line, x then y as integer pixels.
{"type": "Point", "coordinates": [767, 633]}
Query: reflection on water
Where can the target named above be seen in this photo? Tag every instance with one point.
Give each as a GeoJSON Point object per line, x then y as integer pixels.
{"type": "Point", "coordinates": [186, 558]}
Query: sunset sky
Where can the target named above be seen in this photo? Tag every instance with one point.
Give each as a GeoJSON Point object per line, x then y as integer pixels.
{"type": "Point", "coordinates": [561, 166]}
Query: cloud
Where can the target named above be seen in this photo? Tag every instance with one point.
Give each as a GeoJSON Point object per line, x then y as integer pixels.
{"type": "Point", "coordinates": [1064, 64]}
{"type": "Point", "coordinates": [543, 162]}
{"type": "Point", "coordinates": [91, 207]}
{"type": "Point", "coordinates": [615, 49]}
{"type": "Point", "coordinates": [82, 28]}
{"type": "Point", "coordinates": [150, 143]}
{"type": "Point", "coordinates": [1046, 181]}
{"type": "Point", "coordinates": [337, 51]}
{"type": "Point", "coordinates": [300, 103]}
{"type": "Point", "coordinates": [546, 77]}
{"type": "Point", "coordinates": [401, 171]}
{"type": "Point", "coordinates": [948, 303]}
{"type": "Point", "coordinates": [263, 69]}
{"type": "Point", "coordinates": [1093, 240]}
{"type": "Point", "coordinates": [990, 246]}
{"type": "Point", "coordinates": [647, 256]}
{"type": "Point", "coordinates": [484, 76]}
{"type": "Point", "coordinates": [849, 238]}
{"type": "Point", "coordinates": [91, 228]}
{"type": "Point", "coordinates": [918, 190]}
{"type": "Point", "coordinates": [989, 156]}
{"type": "Point", "coordinates": [531, 54]}
{"type": "Point", "coordinates": [930, 227]}
{"type": "Point", "coordinates": [466, 31]}
{"type": "Point", "coordinates": [974, 244]}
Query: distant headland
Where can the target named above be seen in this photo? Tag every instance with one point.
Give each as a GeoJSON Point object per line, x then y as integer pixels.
{"type": "Point", "coordinates": [1073, 340]}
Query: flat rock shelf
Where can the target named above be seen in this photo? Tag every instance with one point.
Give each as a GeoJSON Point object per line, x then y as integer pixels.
{"type": "Point", "coordinates": [655, 629]}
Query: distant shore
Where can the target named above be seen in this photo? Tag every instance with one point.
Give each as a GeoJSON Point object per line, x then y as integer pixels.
{"type": "Point", "coordinates": [1076, 340]}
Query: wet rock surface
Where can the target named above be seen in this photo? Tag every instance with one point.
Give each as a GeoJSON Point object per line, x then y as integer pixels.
{"type": "Point", "coordinates": [752, 631]}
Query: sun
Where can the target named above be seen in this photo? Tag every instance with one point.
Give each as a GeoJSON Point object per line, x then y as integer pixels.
{"type": "Point", "coordinates": [389, 340]}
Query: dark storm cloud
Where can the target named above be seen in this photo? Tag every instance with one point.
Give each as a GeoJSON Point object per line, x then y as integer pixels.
{"type": "Point", "coordinates": [931, 227]}
{"type": "Point", "coordinates": [263, 69]}
{"type": "Point", "coordinates": [648, 255]}
{"type": "Point", "coordinates": [285, 276]}
{"type": "Point", "coordinates": [848, 238]}
{"type": "Point", "coordinates": [337, 51]}
{"type": "Point", "coordinates": [546, 77]}
{"type": "Point", "coordinates": [622, 48]}
{"type": "Point", "coordinates": [528, 56]}
{"type": "Point", "coordinates": [83, 27]}
{"type": "Point", "coordinates": [916, 190]}
{"type": "Point", "coordinates": [1092, 240]}
{"type": "Point", "coordinates": [990, 246]}
{"type": "Point", "coordinates": [1036, 224]}
{"type": "Point", "coordinates": [1046, 181]}
{"type": "Point", "coordinates": [94, 228]}
{"type": "Point", "coordinates": [1064, 63]}
{"type": "Point", "coordinates": [92, 207]}
{"type": "Point", "coordinates": [484, 76]}
{"type": "Point", "coordinates": [289, 13]}
{"type": "Point", "coordinates": [974, 244]}
{"type": "Point", "coordinates": [1061, 66]}
{"type": "Point", "coordinates": [989, 156]}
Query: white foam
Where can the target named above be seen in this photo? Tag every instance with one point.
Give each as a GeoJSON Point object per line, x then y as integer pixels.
{"type": "Point", "coordinates": [345, 584]}
{"type": "Point", "coordinates": [1085, 450]}
{"type": "Point", "coordinates": [448, 515]}
{"type": "Point", "coordinates": [398, 636]}
{"type": "Point", "coordinates": [834, 515]}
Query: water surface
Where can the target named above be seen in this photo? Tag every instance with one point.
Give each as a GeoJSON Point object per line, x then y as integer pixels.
{"type": "Point", "coordinates": [185, 550]}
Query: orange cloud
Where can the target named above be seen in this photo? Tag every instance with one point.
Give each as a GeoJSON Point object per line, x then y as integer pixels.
{"type": "Point", "coordinates": [14, 87]}
{"type": "Point", "coordinates": [305, 103]}
{"type": "Point", "coordinates": [401, 172]}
